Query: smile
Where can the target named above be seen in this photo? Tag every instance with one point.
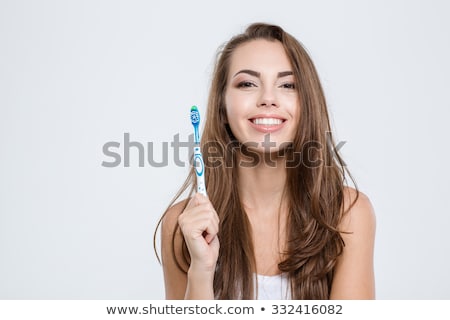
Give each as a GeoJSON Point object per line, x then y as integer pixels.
{"type": "Point", "coordinates": [267, 124]}
{"type": "Point", "coordinates": [267, 121]}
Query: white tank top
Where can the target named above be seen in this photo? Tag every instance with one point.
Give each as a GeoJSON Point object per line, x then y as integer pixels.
{"type": "Point", "coordinates": [273, 287]}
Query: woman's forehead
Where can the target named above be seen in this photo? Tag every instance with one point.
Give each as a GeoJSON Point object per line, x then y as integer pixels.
{"type": "Point", "coordinates": [260, 55]}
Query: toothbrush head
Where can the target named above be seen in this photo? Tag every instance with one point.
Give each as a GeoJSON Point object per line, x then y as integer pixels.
{"type": "Point", "coordinates": [195, 116]}
{"type": "Point", "coordinates": [195, 119]}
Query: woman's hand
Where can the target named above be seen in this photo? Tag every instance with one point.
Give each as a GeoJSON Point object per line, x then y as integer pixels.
{"type": "Point", "coordinates": [199, 224]}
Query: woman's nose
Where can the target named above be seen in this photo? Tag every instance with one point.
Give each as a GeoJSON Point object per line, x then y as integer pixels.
{"type": "Point", "coordinates": [267, 98]}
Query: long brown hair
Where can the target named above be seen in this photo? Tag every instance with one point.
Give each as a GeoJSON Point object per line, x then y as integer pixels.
{"type": "Point", "coordinates": [314, 187]}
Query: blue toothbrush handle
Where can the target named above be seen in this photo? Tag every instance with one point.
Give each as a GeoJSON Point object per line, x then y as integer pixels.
{"type": "Point", "coordinates": [199, 166]}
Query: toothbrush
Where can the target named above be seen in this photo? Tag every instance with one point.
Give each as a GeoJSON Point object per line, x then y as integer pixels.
{"type": "Point", "coordinates": [198, 158]}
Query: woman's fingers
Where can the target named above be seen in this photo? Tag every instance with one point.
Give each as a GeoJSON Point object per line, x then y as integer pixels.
{"type": "Point", "coordinates": [200, 219]}
{"type": "Point", "coordinates": [199, 224]}
{"type": "Point", "coordinates": [196, 200]}
{"type": "Point", "coordinates": [200, 205]}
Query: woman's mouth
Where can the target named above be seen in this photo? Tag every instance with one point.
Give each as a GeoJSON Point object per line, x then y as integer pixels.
{"type": "Point", "coordinates": [267, 121]}
{"type": "Point", "coordinates": [267, 124]}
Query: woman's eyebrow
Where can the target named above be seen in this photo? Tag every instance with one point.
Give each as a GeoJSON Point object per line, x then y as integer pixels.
{"type": "Point", "coordinates": [285, 74]}
{"type": "Point", "coordinates": [248, 71]}
{"type": "Point", "coordinates": [258, 74]}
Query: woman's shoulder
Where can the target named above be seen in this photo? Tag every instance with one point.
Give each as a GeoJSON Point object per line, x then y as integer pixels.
{"type": "Point", "coordinates": [353, 274]}
{"type": "Point", "coordinates": [171, 252]}
{"type": "Point", "coordinates": [170, 218]}
{"type": "Point", "coordinates": [358, 211]}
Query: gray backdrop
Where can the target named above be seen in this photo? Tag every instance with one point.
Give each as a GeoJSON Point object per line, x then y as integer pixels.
{"type": "Point", "coordinates": [75, 75]}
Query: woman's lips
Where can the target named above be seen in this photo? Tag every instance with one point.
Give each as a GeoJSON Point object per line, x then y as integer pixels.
{"type": "Point", "coordinates": [267, 124]}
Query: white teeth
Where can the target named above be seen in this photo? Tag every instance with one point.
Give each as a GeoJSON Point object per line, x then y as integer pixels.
{"type": "Point", "coordinates": [267, 121]}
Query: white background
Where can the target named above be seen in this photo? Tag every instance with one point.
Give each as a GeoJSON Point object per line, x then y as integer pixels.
{"type": "Point", "coordinates": [77, 74]}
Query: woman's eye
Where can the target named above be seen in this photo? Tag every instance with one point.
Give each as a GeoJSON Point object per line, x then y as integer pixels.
{"type": "Point", "coordinates": [245, 84]}
{"type": "Point", "coordinates": [289, 85]}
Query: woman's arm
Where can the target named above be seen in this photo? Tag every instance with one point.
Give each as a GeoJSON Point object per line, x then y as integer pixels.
{"type": "Point", "coordinates": [199, 226]}
{"type": "Point", "coordinates": [175, 280]}
{"type": "Point", "coordinates": [354, 273]}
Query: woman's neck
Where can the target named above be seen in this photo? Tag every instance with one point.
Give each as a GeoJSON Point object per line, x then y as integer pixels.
{"type": "Point", "coordinates": [262, 184]}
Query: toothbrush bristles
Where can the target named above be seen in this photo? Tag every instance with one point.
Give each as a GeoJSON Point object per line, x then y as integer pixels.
{"type": "Point", "coordinates": [195, 115]}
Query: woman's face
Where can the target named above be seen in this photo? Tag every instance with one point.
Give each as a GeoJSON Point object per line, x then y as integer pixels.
{"type": "Point", "coordinates": [262, 102]}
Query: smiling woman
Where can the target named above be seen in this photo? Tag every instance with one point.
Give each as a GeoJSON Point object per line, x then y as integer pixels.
{"type": "Point", "coordinates": [269, 230]}
{"type": "Point", "coordinates": [256, 91]}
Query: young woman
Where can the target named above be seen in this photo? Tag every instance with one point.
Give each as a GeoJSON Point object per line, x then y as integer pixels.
{"type": "Point", "coordinates": [279, 221]}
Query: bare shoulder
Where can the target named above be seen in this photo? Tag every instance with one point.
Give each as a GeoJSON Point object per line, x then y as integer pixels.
{"type": "Point", "coordinates": [354, 274]}
{"type": "Point", "coordinates": [171, 252]}
{"type": "Point", "coordinates": [170, 219]}
{"type": "Point", "coordinates": [358, 211]}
